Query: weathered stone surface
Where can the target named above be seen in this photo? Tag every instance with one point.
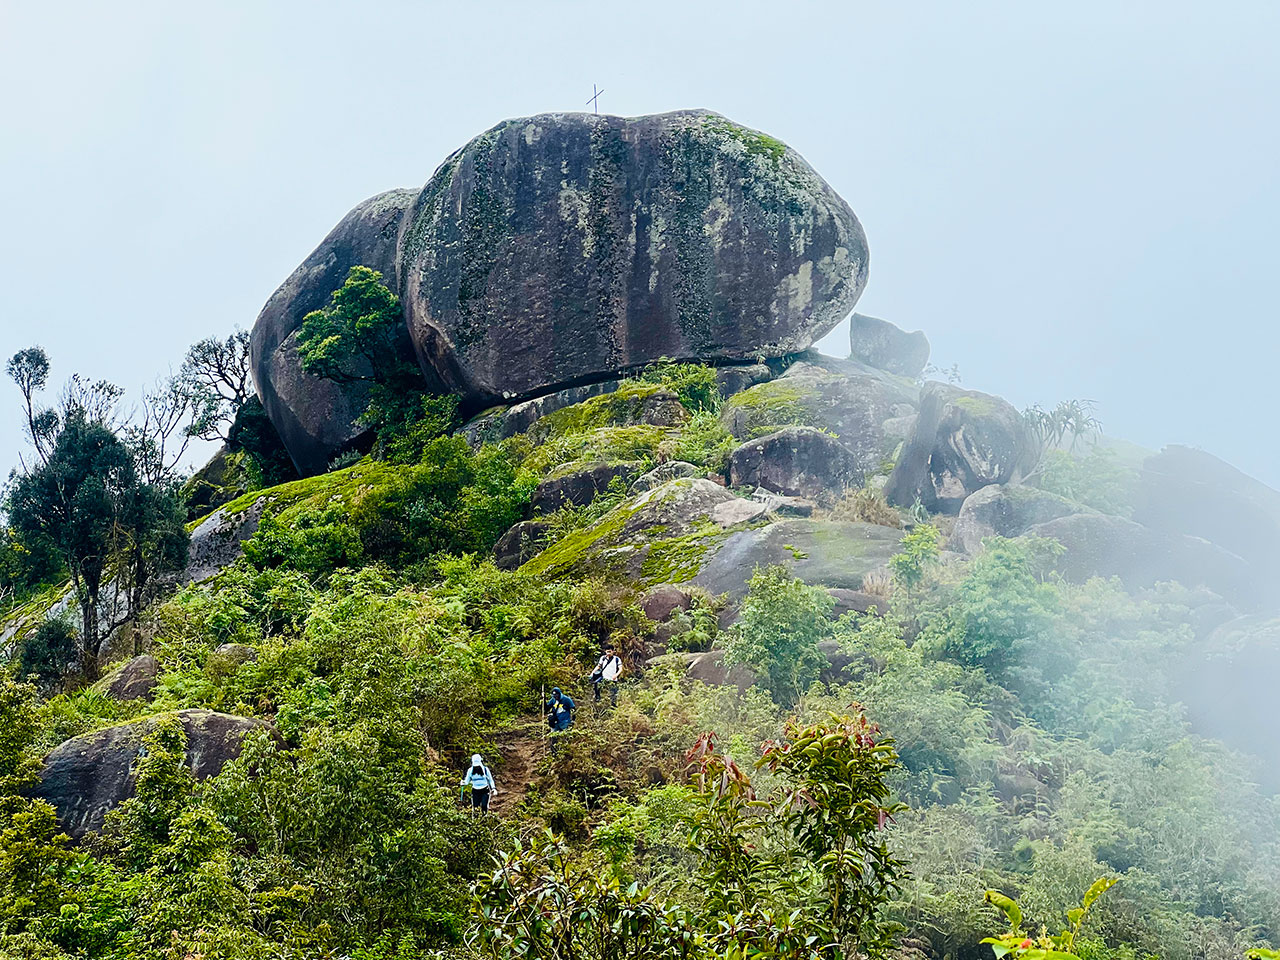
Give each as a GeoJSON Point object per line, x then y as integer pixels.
{"type": "Point", "coordinates": [217, 541]}
{"type": "Point", "coordinates": [739, 376]}
{"type": "Point", "coordinates": [732, 512]}
{"type": "Point", "coordinates": [579, 486]}
{"type": "Point", "coordinates": [316, 417]}
{"type": "Point", "coordinates": [86, 777]}
{"type": "Point", "coordinates": [522, 542]}
{"type": "Point", "coordinates": [1101, 545]}
{"type": "Point", "coordinates": [134, 680]}
{"type": "Point", "coordinates": [963, 441]}
{"type": "Point", "coordinates": [857, 403]}
{"type": "Point", "coordinates": [709, 668]}
{"type": "Point", "coordinates": [796, 462]}
{"type": "Point", "coordinates": [856, 601]}
{"type": "Point", "coordinates": [887, 347]}
{"type": "Point", "coordinates": [559, 247]}
{"type": "Point", "coordinates": [783, 505]}
{"type": "Point", "coordinates": [660, 603]}
{"type": "Point", "coordinates": [660, 536]}
{"type": "Point", "coordinates": [499, 423]}
{"type": "Point", "coordinates": [663, 472]}
{"type": "Point", "coordinates": [826, 553]}
{"type": "Point", "coordinates": [1190, 492]}
{"type": "Point", "coordinates": [1006, 511]}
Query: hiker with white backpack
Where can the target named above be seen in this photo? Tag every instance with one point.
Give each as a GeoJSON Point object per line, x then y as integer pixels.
{"type": "Point", "coordinates": [608, 670]}
{"type": "Point", "coordinates": [480, 780]}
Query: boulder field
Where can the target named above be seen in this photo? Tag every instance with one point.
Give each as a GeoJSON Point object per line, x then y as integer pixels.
{"type": "Point", "coordinates": [562, 249]}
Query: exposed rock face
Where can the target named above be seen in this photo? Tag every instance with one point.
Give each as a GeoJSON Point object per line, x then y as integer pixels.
{"type": "Point", "coordinates": [887, 347]}
{"type": "Point", "coordinates": [580, 486]}
{"type": "Point", "coordinates": [216, 542]}
{"type": "Point", "coordinates": [558, 250]}
{"type": "Point", "coordinates": [671, 470]}
{"type": "Point", "coordinates": [520, 543]}
{"type": "Point", "coordinates": [861, 406]}
{"type": "Point", "coordinates": [135, 680]}
{"type": "Point", "coordinates": [559, 247]}
{"type": "Point", "coordinates": [962, 441]}
{"type": "Point", "coordinates": [1006, 511]}
{"type": "Point", "coordinates": [1101, 545]}
{"type": "Point", "coordinates": [1187, 491]}
{"type": "Point", "coordinates": [796, 462]}
{"type": "Point", "coordinates": [86, 777]}
{"type": "Point", "coordinates": [661, 603]}
{"type": "Point", "coordinates": [661, 536]}
{"type": "Point", "coordinates": [316, 417]}
{"type": "Point", "coordinates": [709, 668]}
{"type": "Point", "coordinates": [829, 554]}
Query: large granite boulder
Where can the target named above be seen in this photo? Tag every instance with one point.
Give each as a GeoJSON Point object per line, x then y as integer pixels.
{"type": "Point", "coordinates": [521, 542]}
{"type": "Point", "coordinates": [89, 775]}
{"type": "Point", "coordinates": [561, 247]}
{"type": "Point", "coordinates": [316, 417]}
{"type": "Point", "coordinates": [962, 441]}
{"type": "Point", "coordinates": [1006, 511]}
{"type": "Point", "coordinates": [864, 408]}
{"type": "Point", "coordinates": [796, 462]}
{"type": "Point", "coordinates": [1101, 545]}
{"type": "Point", "coordinates": [218, 540]}
{"type": "Point", "coordinates": [1190, 492]}
{"type": "Point", "coordinates": [579, 484]}
{"type": "Point", "coordinates": [826, 553]}
{"type": "Point", "coordinates": [134, 680]}
{"type": "Point", "coordinates": [558, 250]}
{"type": "Point", "coordinates": [881, 344]}
{"type": "Point", "coordinates": [663, 535]}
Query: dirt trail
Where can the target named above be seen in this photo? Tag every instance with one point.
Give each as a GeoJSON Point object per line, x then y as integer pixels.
{"type": "Point", "coordinates": [522, 749]}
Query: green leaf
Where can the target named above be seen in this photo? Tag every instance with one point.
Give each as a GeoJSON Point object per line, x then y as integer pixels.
{"type": "Point", "coordinates": [1006, 906]}
{"type": "Point", "coordinates": [1099, 887]}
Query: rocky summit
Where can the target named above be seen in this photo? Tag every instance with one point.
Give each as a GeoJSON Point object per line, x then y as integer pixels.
{"type": "Point", "coordinates": [565, 248]}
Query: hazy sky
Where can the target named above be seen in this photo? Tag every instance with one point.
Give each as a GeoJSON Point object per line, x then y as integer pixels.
{"type": "Point", "coordinates": [1074, 200]}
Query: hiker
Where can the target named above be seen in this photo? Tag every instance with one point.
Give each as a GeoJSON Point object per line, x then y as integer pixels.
{"type": "Point", "coordinates": [560, 710]}
{"type": "Point", "coordinates": [607, 670]}
{"type": "Point", "coordinates": [483, 789]}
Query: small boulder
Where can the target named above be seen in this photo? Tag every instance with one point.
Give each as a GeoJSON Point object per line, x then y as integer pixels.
{"type": "Point", "coordinates": [709, 668]}
{"type": "Point", "coordinates": [856, 601]}
{"type": "Point", "coordinates": [87, 776]}
{"type": "Point", "coordinates": [499, 423]}
{"type": "Point", "coordinates": [522, 542]}
{"type": "Point", "coordinates": [1006, 511]}
{"type": "Point", "coordinates": [783, 505]}
{"type": "Point", "coordinates": [738, 377]}
{"type": "Point", "coordinates": [660, 603]}
{"type": "Point", "coordinates": [671, 470]}
{"type": "Point", "coordinates": [578, 486]}
{"type": "Point", "coordinates": [962, 441]}
{"type": "Point", "coordinates": [883, 345]}
{"type": "Point", "coordinates": [135, 680]}
{"type": "Point", "coordinates": [796, 462]}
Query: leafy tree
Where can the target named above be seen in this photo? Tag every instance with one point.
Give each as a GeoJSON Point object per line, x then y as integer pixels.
{"type": "Point", "coordinates": [76, 503]}
{"type": "Point", "coordinates": [29, 369]}
{"type": "Point", "coordinates": [920, 552]}
{"type": "Point", "coordinates": [1067, 423]}
{"type": "Point", "coordinates": [1004, 605]}
{"type": "Point", "coordinates": [87, 505]}
{"type": "Point", "coordinates": [782, 621]}
{"type": "Point", "coordinates": [359, 339]}
{"type": "Point", "coordinates": [49, 650]}
{"type": "Point", "coordinates": [215, 376]}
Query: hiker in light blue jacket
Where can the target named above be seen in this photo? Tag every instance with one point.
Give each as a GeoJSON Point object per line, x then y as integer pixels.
{"type": "Point", "coordinates": [480, 780]}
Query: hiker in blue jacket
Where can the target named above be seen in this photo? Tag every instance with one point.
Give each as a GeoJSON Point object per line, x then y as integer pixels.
{"type": "Point", "coordinates": [478, 777]}
{"type": "Point", "coordinates": [560, 710]}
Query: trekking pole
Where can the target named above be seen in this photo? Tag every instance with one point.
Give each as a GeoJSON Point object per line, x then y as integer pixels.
{"type": "Point", "coordinates": [542, 708]}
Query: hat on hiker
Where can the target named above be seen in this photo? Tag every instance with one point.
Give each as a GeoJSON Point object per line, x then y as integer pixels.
{"type": "Point", "coordinates": [476, 759]}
